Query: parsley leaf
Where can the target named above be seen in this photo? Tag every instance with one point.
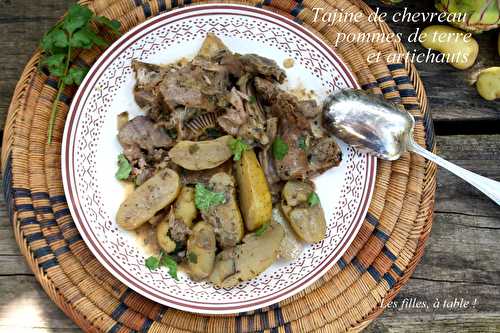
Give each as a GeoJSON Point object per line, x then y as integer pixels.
{"type": "Point", "coordinates": [261, 230]}
{"type": "Point", "coordinates": [252, 99]}
{"type": "Point", "coordinates": [124, 168]}
{"type": "Point", "coordinates": [152, 263]}
{"type": "Point", "coordinates": [280, 149]}
{"type": "Point", "coordinates": [192, 257]}
{"type": "Point", "coordinates": [302, 142]}
{"type": "Point", "coordinates": [75, 75]}
{"type": "Point", "coordinates": [55, 64]}
{"type": "Point", "coordinates": [204, 198]}
{"type": "Point", "coordinates": [313, 199]}
{"type": "Point", "coordinates": [78, 16]}
{"type": "Point", "coordinates": [238, 146]}
{"type": "Point", "coordinates": [59, 44]}
{"type": "Point", "coordinates": [155, 262]}
{"type": "Point", "coordinates": [170, 263]}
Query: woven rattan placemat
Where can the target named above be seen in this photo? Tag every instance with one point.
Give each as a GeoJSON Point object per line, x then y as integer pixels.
{"type": "Point", "coordinates": [377, 264]}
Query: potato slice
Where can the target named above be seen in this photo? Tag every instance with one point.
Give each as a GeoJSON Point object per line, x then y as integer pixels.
{"type": "Point", "coordinates": [142, 204]}
{"type": "Point", "coordinates": [246, 261]}
{"type": "Point", "coordinates": [225, 218]}
{"type": "Point", "coordinates": [201, 155]}
{"type": "Point", "coordinates": [184, 207]}
{"type": "Point", "coordinates": [307, 221]}
{"type": "Point", "coordinates": [201, 251]}
{"type": "Point", "coordinates": [255, 197]}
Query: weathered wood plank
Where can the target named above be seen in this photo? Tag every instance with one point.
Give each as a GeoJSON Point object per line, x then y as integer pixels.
{"type": "Point", "coordinates": [461, 258]}
{"type": "Point", "coordinates": [450, 97]}
{"type": "Point", "coordinates": [24, 307]}
{"type": "Point", "coordinates": [23, 22]}
{"type": "Point", "coordinates": [478, 153]}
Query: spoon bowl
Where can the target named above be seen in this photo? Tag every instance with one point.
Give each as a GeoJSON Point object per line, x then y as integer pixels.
{"type": "Point", "coordinates": [376, 126]}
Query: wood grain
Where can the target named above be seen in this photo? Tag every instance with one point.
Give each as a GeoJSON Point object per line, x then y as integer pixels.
{"type": "Point", "coordinates": [451, 97]}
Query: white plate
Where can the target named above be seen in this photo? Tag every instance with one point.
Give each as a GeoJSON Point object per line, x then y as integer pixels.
{"type": "Point", "coordinates": [90, 150]}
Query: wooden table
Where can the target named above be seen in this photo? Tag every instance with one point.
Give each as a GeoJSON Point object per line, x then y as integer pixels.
{"type": "Point", "coordinates": [462, 259]}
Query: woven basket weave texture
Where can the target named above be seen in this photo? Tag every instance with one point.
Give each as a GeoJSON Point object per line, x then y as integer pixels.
{"type": "Point", "coordinates": [378, 263]}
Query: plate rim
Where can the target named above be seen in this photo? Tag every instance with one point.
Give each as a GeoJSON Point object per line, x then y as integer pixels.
{"type": "Point", "coordinates": [235, 307]}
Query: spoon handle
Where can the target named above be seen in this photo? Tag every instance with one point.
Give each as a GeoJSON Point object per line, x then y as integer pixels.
{"type": "Point", "coordinates": [488, 186]}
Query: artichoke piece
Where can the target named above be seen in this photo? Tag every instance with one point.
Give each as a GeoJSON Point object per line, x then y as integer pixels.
{"type": "Point", "coordinates": [301, 207]}
{"type": "Point", "coordinates": [245, 261]}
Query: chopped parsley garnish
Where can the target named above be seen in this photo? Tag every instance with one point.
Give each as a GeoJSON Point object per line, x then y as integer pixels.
{"type": "Point", "coordinates": [204, 198]}
{"type": "Point", "coordinates": [152, 263]}
{"type": "Point", "coordinates": [192, 257]}
{"type": "Point", "coordinates": [238, 146]}
{"type": "Point", "coordinates": [302, 143]}
{"type": "Point", "coordinates": [313, 199]}
{"type": "Point", "coordinates": [262, 229]}
{"type": "Point", "coordinates": [280, 149]}
{"type": "Point", "coordinates": [124, 168]}
{"type": "Point", "coordinates": [165, 260]}
{"type": "Point", "coordinates": [170, 263]}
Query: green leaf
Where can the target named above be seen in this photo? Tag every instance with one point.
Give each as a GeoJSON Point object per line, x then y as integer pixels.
{"type": "Point", "coordinates": [302, 142]}
{"type": "Point", "coordinates": [53, 41]}
{"type": "Point", "coordinates": [77, 74]}
{"type": "Point", "coordinates": [170, 263]}
{"type": "Point", "coordinates": [82, 39]}
{"type": "Point", "coordinates": [237, 146]}
{"type": "Point", "coordinates": [152, 263]}
{"type": "Point", "coordinates": [124, 168]}
{"type": "Point", "coordinates": [78, 17]}
{"type": "Point", "coordinates": [280, 149]}
{"type": "Point", "coordinates": [113, 25]}
{"type": "Point", "coordinates": [261, 230]}
{"type": "Point", "coordinates": [313, 199]}
{"type": "Point", "coordinates": [204, 198]}
{"type": "Point", "coordinates": [60, 38]}
{"type": "Point", "coordinates": [192, 257]}
{"type": "Point", "coordinates": [55, 64]}
{"type": "Point", "coordinates": [85, 38]}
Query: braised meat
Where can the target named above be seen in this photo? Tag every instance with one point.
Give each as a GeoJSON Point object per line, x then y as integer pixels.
{"type": "Point", "coordinates": [140, 135]}
{"type": "Point", "coordinates": [222, 92]}
{"type": "Point", "coordinates": [220, 148]}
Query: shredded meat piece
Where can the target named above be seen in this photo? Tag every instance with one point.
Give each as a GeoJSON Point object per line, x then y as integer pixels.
{"type": "Point", "coordinates": [324, 154]}
{"type": "Point", "coordinates": [235, 116]}
{"type": "Point", "coordinates": [139, 134]}
{"type": "Point", "coordinates": [266, 67]}
{"type": "Point", "coordinates": [179, 231]}
{"type": "Point", "coordinates": [196, 85]}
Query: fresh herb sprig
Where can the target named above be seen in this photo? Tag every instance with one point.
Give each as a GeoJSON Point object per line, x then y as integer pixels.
{"type": "Point", "coordinates": [154, 262]}
{"type": "Point", "coordinates": [61, 42]}
{"type": "Point", "coordinates": [204, 198]}
{"type": "Point", "coordinates": [313, 199]}
{"type": "Point", "coordinates": [238, 146]}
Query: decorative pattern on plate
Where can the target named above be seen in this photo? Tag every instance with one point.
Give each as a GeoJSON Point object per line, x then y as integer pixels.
{"type": "Point", "coordinates": [100, 98]}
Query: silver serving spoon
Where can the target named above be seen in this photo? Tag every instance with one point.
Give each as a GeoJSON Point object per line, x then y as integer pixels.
{"type": "Point", "coordinates": [373, 125]}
